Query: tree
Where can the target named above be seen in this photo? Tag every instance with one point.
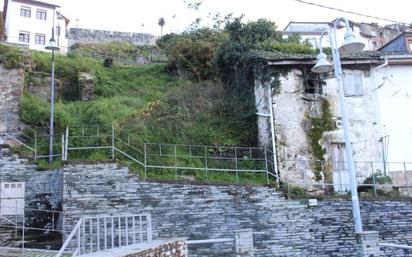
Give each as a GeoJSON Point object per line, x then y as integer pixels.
{"type": "Point", "coordinates": [161, 23]}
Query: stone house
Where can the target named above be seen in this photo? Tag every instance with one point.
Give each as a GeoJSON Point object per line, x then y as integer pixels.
{"type": "Point", "coordinates": [30, 23]}
{"type": "Point", "coordinates": [309, 137]}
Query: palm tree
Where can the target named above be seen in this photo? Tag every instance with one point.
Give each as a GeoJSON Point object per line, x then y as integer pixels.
{"type": "Point", "coordinates": [161, 23]}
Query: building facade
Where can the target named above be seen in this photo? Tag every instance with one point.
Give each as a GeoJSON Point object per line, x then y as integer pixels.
{"type": "Point", "coordinates": [371, 34]}
{"type": "Point", "coordinates": [30, 24]}
{"type": "Point", "coordinates": [309, 136]}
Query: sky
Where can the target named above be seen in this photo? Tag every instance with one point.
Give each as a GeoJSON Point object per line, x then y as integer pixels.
{"type": "Point", "coordinates": [143, 15]}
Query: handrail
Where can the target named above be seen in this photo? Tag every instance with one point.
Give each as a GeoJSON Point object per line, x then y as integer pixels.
{"type": "Point", "coordinates": [8, 220]}
{"type": "Point", "coordinates": [396, 246]}
{"type": "Point", "coordinates": [8, 135]}
{"type": "Point", "coordinates": [211, 241]}
{"type": "Point", "coordinates": [69, 239]}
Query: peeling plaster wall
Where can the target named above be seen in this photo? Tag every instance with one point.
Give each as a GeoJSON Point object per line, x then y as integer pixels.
{"type": "Point", "coordinates": [363, 123]}
{"type": "Point", "coordinates": [262, 106]}
{"type": "Point", "coordinates": [292, 112]}
{"type": "Point", "coordinates": [294, 153]}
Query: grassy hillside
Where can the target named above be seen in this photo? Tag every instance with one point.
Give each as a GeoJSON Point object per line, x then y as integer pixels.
{"type": "Point", "coordinates": [145, 100]}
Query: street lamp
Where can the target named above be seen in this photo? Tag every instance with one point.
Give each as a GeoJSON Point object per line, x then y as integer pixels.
{"type": "Point", "coordinates": [53, 47]}
{"type": "Point", "coordinates": [350, 45]}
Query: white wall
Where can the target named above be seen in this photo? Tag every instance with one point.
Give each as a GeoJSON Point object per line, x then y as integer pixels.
{"type": "Point", "coordinates": [15, 23]}
{"type": "Point", "coordinates": [292, 125]}
{"type": "Point", "coordinates": [395, 104]}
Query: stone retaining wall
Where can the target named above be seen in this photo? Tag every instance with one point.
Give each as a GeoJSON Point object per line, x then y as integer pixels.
{"type": "Point", "coordinates": [41, 186]}
{"type": "Point", "coordinates": [79, 35]}
{"type": "Point", "coordinates": [281, 227]}
{"type": "Point", "coordinates": [11, 89]}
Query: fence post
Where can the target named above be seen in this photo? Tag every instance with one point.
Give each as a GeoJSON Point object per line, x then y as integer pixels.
{"type": "Point", "coordinates": [236, 166]}
{"type": "Point", "coordinates": [113, 142]}
{"type": "Point", "coordinates": [145, 160]}
{"type": "Point", "coordinates": [267, 166]}
{"type": "Point", "coordinates": [375, 192]}
{"type": "Point", "coordinates": [35, 145]}
{"type": "Point", "coordinates": [207, 179]}
{"type": "Point", "coordinates": [23, 234]}
{"type": "Point", "coordinates": [175, 162]}
{"type": "Point", "coordinates": [149, 227]}
{"type": "Point", "coordinates": [63, 143]}
{"type": "Point", "coordinates": [66, 147]}
{"type": "Point", "coordinates": [406, 179]}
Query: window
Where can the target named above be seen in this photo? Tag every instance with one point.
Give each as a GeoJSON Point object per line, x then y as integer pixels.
{"type": "Point", "coordinates": [40, 39]}
{"type": "Point", "coordinates": [41, 14]}
{"type": "Point", "coordinates": [352, 83]}
{"type": "Point", "coordinates": [24, 37]}
{"type": "Point", "coordinates": [313, 84]}
{"type": "Point", "coordinates": [25, 12]}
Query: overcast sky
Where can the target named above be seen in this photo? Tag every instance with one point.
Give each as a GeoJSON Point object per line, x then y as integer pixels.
{"type": "Point", "coordinates": [143, 15]}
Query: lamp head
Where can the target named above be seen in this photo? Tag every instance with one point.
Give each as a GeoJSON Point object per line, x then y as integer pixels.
{"type": "Point", "coordinates": [52, 45]}
{"type": "Point", "coordinates": [351, 44]}
{"type": "Point", "coordinates": [322, 65]}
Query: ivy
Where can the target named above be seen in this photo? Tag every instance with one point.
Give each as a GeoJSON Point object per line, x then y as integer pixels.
{"type": "Point", "coordinates": [319, 125]}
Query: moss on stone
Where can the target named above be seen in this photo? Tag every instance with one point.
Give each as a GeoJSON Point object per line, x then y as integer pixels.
{"type": "Point", "coordinates": [319, 125]}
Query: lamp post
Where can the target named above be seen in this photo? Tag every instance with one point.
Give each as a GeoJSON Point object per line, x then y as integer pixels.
{"type": "Point", "coordinates": [349, 46]}
{"type": "Point", "coordinates": [53, 47]}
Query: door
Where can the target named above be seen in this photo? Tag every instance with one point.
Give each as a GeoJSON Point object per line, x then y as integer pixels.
{"type": "Point", "coordinates": [341, 182]}
{"type": "Point", "coordinates": [12, 198]}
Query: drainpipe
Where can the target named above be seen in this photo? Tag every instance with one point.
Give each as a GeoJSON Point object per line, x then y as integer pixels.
{"type": "Point", "coordinates": [272, 128]}
{"type": "Point", "coordinates": [377, 109]}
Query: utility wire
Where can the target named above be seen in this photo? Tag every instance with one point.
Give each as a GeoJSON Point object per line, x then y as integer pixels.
{"type": "Point", "coordinates": [349, 12]}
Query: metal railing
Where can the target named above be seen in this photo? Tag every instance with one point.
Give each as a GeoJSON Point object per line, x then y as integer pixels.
{"type": "Point", "coordinates": [174, 160]}
{"type": "Point", "coordinates": [100, 233]}
{"type": "Point", "coordinates": [212, 163]}
{"type": "Point", "coordinates": [376, 178]}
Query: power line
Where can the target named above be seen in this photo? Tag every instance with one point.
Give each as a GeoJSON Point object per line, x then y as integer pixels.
{"type": "Point", "coordinates": [349, 12]}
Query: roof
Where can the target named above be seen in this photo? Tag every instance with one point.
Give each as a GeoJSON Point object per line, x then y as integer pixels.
{"type": "Point", "coordinates": [39, 3]}
{"type": "Point", "coordinates": [284, 59]}
{"type": "Point", "coordinates": [405, 33]}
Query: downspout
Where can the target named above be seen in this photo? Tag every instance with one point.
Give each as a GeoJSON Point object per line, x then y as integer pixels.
{"type": "Point", "coordinates": [377, 109]}
{"type": "Point", "coordinates": [272, 128]}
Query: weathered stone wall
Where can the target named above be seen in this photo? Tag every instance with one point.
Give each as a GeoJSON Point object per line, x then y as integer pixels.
{"type": "Point", "coordinates": [281, 227]}
{"type": "Point", "coordinates": [79, 35]}
{"type": "Point", "coordinates": [170, 249]}
{"type": "Point", "coordinates": [41, 186]}
{"type": "Point", "coordinates": [190, 211]}
{"type": "Point", "coordinates": [332, 226]}
{"type": "Point", "coordinates": [11, 89]}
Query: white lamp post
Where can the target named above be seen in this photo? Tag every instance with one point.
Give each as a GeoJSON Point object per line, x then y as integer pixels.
{"type": "Point", "coordinates": [349, 46]}
{"type": "Point", "coordinates": [53, 47]}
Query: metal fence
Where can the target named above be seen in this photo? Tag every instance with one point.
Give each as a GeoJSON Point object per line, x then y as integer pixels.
{"type": "Point", "coordinates": [100, 233]}
{"type": "Point", "coordinates": [251, 165]}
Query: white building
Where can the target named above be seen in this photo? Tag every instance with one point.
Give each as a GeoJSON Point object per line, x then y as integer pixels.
{"type": "Point", "coordinates": [378, 96]}
{"type": "Point", "coordinates": [30, 23]}
{"type": "Point", "coordinates": [372, 35]}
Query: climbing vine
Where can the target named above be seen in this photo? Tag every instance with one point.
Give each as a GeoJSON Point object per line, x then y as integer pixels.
{"type": "Point", "coordinates": [319, 125]}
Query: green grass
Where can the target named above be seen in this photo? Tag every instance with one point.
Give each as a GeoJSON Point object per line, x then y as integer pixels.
{"type": "Point", "coordinates": [146, 101]}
